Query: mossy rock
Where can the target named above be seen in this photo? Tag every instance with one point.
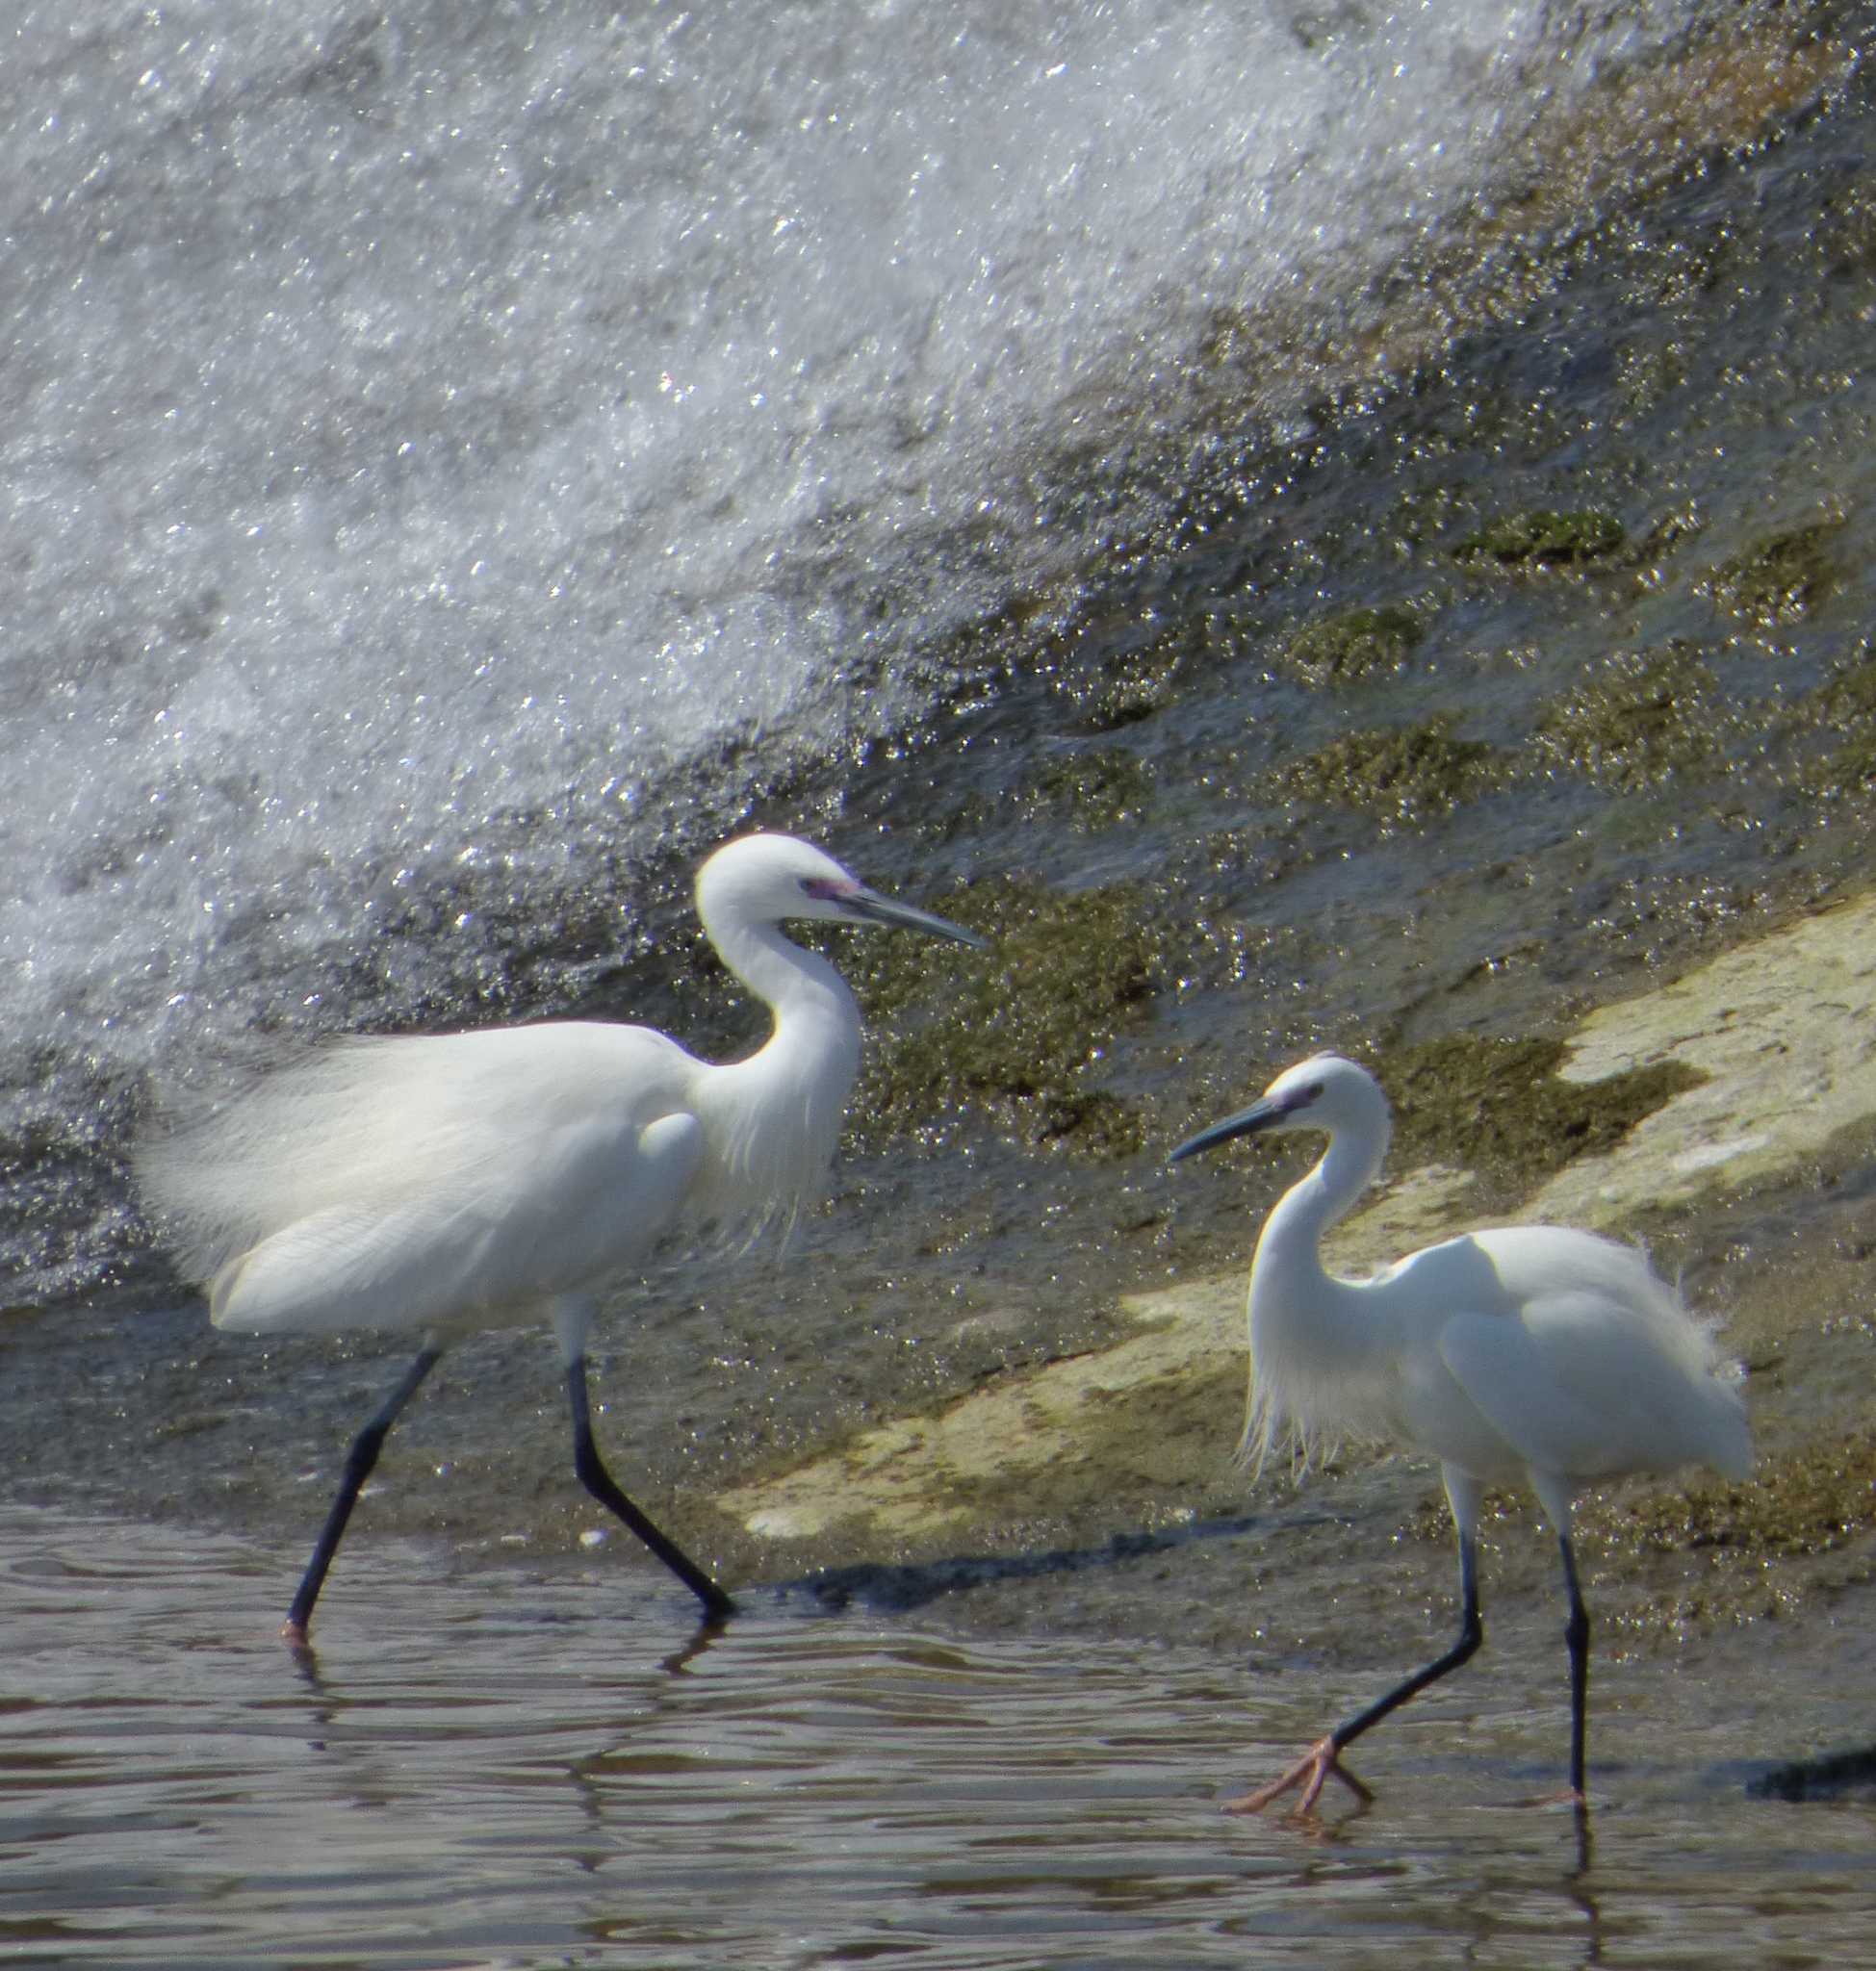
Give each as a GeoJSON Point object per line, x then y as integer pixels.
{"type": "Point", "coordinates": [1778, 579]}
{"type": "Point", "coordinates": [1128, 695]}
{"type": "Point", "coordinates": [1814, 1500]}
{"type": "Point", "coordinates": [1093, 790]}
{"type": "Point", "coordinates": [1648, 371]}
{"type": "Point", "coordinates": [1400, 773]}
{"type": "Point", "coordinates": [1846, 235]}
{"type": "Point", "coordinates": [1130, 685]}
{"type": "Point", "coordinates": [1544, 538]}
{"type": "Point", "coordinates": [1848, 697]}
{"type": "Point", "coordinates": [1643, 717]}
{"type": "Point", "coordinates": [1015, 1029]}
{"type": "Point", "coordinates": [1844, 706]}
{"type": "Point", "coordinates": [1093, 1122]}
{"type": "Point", "coordinates": [1497, 1107]}
{"type": "Point", "coordinates": [1422, 513]}
{"type": "Point", "coordinates": [1087, 791]}
{"type": "Point", "coordinates": [1352, 645]}
{"type": "Point", "coordinates": [1847, 769]}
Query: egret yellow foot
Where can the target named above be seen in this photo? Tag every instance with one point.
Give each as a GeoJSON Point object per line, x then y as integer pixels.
{"type": "Point", "coordinates": [1311, 1772]}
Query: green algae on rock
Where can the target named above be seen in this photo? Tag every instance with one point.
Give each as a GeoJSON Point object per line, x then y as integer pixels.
{"type": "Point", "coordinates": [1399, 773]}
{"type": "Point", "coordinates": [1646, 716]}
{"type": "Point", "coordinates": [1093, 790]}
{"type": "Point", "coordinates": [1018, 1033]}
{"type": "Point", "coordinates": [1498, 1108]}
{"type": "Point", "coordinates": [1812, 1501]}
{"type": "Point", "coordinates": [1844, 706]}
{"type": "Point", "coordinates": [1544, 538]}
{"type": "Point", "coordinates": [1088, 791]}
{"type": "Point", "coordinates": [1131, 684]}
{"type": "Point", "coordinates": [1737, 1542]}
{"type": "Point", "coordinates": [1352, 645]}
{"type": "Point", "coordinates": [1780, 579]}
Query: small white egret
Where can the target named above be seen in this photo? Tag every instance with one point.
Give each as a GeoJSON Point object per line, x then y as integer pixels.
{"type": "Point", "coordinates": [443, 1184]}
{"type": "Point", "coordinates": [1532, 1352]}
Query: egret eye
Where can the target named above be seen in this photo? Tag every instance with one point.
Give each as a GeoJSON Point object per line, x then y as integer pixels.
{"type": "Point", "coordinates": [1313, 1092]}
{"type": "Point", "coordinates": [820, 888]}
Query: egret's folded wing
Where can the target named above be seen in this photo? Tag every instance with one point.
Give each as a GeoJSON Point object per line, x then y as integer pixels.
{"type": "Point", "coordinates": [1503, 1368]}
{"type": "Point", "coordinates": [1583, 1386]}
{"type": "Point", "coordinates": [555, 1213]}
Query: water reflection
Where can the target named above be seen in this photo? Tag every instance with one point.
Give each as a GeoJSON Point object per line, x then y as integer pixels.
{"type": "Point", "coordinates": [506, 1772]}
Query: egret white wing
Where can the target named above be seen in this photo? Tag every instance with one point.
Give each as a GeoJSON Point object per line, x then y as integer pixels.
{"type": "Point", "coordinates": [381, 1121]}
{"type": "Point", "coordinates": [1581, 1385]}
{"type": "Point", "coordinates": [558, 1211]}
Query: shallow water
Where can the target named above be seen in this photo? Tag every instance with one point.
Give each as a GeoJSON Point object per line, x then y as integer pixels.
{"type": "Point", "coordinates": [492, 1769]}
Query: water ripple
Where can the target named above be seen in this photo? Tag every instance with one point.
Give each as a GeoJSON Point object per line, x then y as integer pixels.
{"type": "Point", "coordinates": [494, 1774]}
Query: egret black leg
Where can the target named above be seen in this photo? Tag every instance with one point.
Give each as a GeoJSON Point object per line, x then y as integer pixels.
{"type": "Point", "coordinates": [1323, 1760]}
{"type": "Point", "coordinates": [598, 1480]}
{"type": "Point", "coordinates": [1472, 1632]}
{"type": "Point", "coordinates": [359, 1462]}
{"type": "Point", "coordinates": [1575, 1635]}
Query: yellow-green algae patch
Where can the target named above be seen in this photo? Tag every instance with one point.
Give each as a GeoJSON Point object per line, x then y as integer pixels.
{"type": "Point", "coordinates": [1352, 645]}
{"type": "Point", "coordinates": [1499, 1107]}
{"type": "Point", "coordinates": [1843, 705]}
{"type": "Point", "coordinates": [1023, 1029]}
{"type": "Point", "coordinates": [1780, 579]}
{"type": "Point", "coordinates": [1544, 538]}
{"type": "Point", "coordinates": [1093, 790]}
{"type": "Point", "coordinates": [1399, 773]}
{"type": "Point", "coordinates": [1643, 717]}
{"type": "Point", "coordinates": [1127, 684]}
{"type": "Point", "coordinates": [1813, 1500]}
{"type": "Point", "coordinates": [1800, 1504]}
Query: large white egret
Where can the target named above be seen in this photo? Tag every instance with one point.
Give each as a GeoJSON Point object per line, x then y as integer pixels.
{"type": "Point", "coordinates": [1532, 1354]}
{"type": "Point", "coordinates": [438, 1184]}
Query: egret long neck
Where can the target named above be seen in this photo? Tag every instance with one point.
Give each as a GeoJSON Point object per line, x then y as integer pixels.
{"type": "Point", "coordinates": [1288, 1272]}
{"type": "Point", "coordinates": [815, 1042]}
{"type": "Point", "coordinates": [780, 972]}
{"type": "Point", "coordinates": [1344, 1171]}
{"type": "Point", "coordinates": [774, 1119]}
{"type": "Point", "coordinates": [1317, 1355]}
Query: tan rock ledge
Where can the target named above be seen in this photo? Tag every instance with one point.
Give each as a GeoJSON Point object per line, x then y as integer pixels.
{"type": "Point", "coordinates": [1785, 1030]}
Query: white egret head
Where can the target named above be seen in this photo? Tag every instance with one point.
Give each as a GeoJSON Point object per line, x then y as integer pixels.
{"type": "Point", "coordinates": [769, 878]}
{"type": "Point", "coordinates": [1325, 1092]}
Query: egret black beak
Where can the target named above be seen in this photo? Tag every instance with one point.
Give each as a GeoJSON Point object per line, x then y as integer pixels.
{"type": "Point", "coordinates": [1260, 1115]}
{"type": "Point", "coordinates": [870, 907]}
